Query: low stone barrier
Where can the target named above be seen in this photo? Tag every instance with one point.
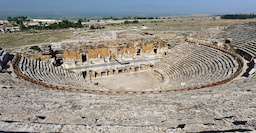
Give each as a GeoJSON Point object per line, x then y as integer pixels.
{"type": "Point", "coordinates": [56, 87]}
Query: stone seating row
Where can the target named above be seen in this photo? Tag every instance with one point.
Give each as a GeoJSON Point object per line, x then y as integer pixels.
{"type": "Point", "coordinates": [198, 69]}
{"type": "Point", "coordinates": [201, 66]}
{"type": "Point", "coordinates": [44, 72]}
{"type": "Point", "coordinates": [242, 36]}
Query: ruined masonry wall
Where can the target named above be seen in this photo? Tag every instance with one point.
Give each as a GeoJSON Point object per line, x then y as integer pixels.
{"type": "Point", "coordinates": [103, 49]}
{"type": "Point", "coordinates": [71, 54]}
{"type": "Point", "coordinates": [126, 50]}
{"type": "Point", "coordinates": [93, 52]}
{"type": "Point", "coordinates": [147, 47]}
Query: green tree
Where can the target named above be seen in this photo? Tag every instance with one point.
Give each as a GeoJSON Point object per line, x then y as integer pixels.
{"type": "Point", "coordinates": [92, 27]}
{"type": "Point", "coordinates": [23, 27]}
{"type": "Point", "coordinates": [79, 23]}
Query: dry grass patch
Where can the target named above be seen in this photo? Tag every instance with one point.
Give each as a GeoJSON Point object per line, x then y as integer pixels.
{"type": "Point", "coordinates": [17, 39]}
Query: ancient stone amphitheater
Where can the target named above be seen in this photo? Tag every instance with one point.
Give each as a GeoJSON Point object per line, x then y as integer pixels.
{"type": "Point", "coordinates": [200, 85]}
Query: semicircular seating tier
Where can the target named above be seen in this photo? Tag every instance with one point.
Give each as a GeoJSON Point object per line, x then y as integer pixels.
{"type": "Point", "coordinates": [44, 72]}
{"type": "Point", "coordinates": [189, 65]}
{"type": "Point", "coordinates": [242, 36]}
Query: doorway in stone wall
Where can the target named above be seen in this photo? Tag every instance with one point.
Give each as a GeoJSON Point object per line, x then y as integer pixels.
{"type": "Point", "coordinates": [138, 52]}
{"type": "Point", "coordinates": [155, 51]}
{"type": "Point", "coordinates": [84, 57]}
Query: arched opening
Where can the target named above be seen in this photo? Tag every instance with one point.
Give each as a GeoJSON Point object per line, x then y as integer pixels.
{"type": "Point", "coordinates": [155, 51]}
{"type": "Point", "coordinates": [84, 74]}
{"type": "Point", "coordinates": [138, 52]}
{"type": "Point", "coordinates": [227, 41]}
{"type": "Point", "coordinates": [84, 57]}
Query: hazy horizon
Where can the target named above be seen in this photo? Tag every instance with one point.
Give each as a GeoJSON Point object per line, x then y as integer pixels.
{"type": "Point", "coordinates": [116, 8]}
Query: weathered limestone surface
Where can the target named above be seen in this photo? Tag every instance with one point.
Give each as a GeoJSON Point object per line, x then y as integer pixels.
{"type": "Point", "coordinates": [28, 107]}
{"type": "Point", "coordinates": [229, 107]}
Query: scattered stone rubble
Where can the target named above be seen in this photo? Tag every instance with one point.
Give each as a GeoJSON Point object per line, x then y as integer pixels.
{"type": "Point", "coordinates": [52, 101]}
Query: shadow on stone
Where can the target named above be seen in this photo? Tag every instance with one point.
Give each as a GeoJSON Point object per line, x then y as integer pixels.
{"type": "Point", "coordinates": [239, 122]}
{"type": "Point", "coordinates": [41, 117]}
{"type": "Point", "coordinates": [181, 126]}
{"type": "Point", "coordinates": [250, 67]}
{"type": "Point", "coordinates": [227, 117]}
{"type": "Point", "coordinates": [231, 130]}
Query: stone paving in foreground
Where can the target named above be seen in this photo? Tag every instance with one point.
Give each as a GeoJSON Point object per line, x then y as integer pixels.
{"type": "Point", "coordinates": [229, 107]}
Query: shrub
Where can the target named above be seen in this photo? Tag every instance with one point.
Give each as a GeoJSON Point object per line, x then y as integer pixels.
{"type": "Point", "coordinates": [35, 48]}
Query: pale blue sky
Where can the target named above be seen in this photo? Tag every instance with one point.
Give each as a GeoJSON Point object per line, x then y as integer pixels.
{"type": "Point", "coordinates": [126, 7]}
